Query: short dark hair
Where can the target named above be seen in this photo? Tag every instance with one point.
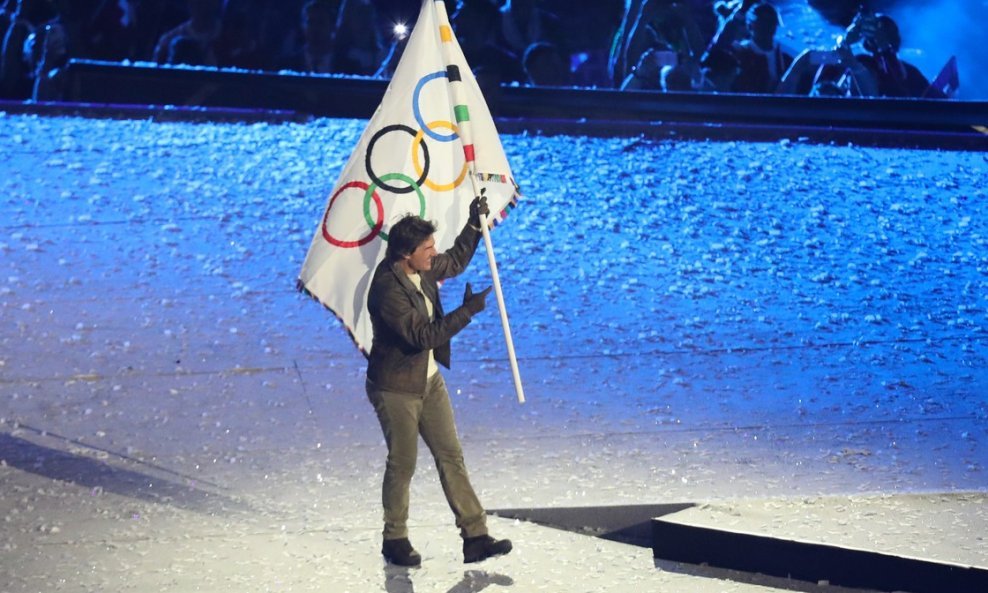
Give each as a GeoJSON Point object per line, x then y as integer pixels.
{"type": "Point", "coordinates": [407, 234]}
{"type": "Point", "coordinates": [764, 10]}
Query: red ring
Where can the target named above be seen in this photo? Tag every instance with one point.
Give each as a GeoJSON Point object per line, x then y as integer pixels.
{"type": "Point", "coordinates": [374, 231]}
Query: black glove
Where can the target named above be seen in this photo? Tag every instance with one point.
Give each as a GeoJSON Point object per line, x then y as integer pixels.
{"type": "Point", "coordinates": [475, 302]}
{"type": "Point", "coordinates": [477, 207]}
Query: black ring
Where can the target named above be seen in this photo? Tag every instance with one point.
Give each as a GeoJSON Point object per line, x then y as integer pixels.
{"type": "Point", "coordinates": [377, 181]}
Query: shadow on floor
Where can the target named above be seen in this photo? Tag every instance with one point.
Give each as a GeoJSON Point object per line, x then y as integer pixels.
{"type": "Point", "coordinates": [748, 578]}
{"type": "Point", "coordinates": [398, 579]}
{"type": "Point", "coordinates": [628, 524]}
{"type": "Point", "coordinates": [98, 475]}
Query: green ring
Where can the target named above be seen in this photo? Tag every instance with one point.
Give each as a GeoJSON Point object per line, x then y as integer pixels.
{"type": "Point", "coordinates": [369, 195]}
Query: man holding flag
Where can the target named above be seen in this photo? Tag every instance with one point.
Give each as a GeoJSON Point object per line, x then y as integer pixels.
{"type": "Point", "coordinates": [411, 335]}
{"type": "Point", "coordinates": [430, 152]}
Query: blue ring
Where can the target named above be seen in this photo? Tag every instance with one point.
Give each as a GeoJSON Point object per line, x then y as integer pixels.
{"type": "Point", "coordinates": [418, 113]}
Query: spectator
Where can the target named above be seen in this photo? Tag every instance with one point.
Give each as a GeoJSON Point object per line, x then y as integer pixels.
{"type": "Point", "coordinates": [203, 26]}
{"type": "Point", "coordinates": [828, 73]}
{"type": "Point", "coordinates": [892, 76]}
{"type": "Point", "coordinates": [666, 26]}
{"type": "Point", "coordinates": [732, 25]}
{"type": "Point", "coordinates": [879, 72]}
{"type": "Point", "coordinates": [748, 33]}
{"type": "Point", "coordinates": [16, 68]}
{"type": "Point", "coordinates": [719, 69]}
{"type": "Point", "coordinates": [50, 46]}
{"type": "Point", "coordinates": [646, 75]}
{"type": "Point", "coordinates": [544, 65]}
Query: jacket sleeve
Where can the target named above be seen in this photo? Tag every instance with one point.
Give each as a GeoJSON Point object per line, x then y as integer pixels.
{"type": "Point", "coordinates": [407, 323]}
{"type": "Point", "coordinates": [453, 261]}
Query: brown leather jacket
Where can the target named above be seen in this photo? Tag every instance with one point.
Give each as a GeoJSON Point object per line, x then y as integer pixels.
{"type": "Point", "coordinates": [403, 333]}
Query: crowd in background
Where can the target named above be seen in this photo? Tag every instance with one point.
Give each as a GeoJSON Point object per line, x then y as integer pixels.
{"type": "Point", "coordinates": [661, 45]}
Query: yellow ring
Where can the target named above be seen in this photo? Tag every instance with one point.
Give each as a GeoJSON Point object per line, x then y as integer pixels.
{"type": "Point", "coordinates": [418, 165]}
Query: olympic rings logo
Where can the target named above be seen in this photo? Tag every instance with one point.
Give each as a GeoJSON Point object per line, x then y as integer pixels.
{"type": "Point", "coordinates": [373, 206]}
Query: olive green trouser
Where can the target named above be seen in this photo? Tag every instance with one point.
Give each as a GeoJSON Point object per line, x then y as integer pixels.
{"type": "Point", "coordinates": [403, 417]}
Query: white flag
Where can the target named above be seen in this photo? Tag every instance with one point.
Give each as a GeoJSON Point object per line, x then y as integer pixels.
{"type": "Point", "coordinates": [429, 148]}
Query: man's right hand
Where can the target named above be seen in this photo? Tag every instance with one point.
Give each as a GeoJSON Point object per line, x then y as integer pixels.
{"type": "Point", "coordinates": [475, 303]}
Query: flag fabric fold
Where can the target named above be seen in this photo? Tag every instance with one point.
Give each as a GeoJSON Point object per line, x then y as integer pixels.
{"type": "Point", "coordinates": [429, 148]}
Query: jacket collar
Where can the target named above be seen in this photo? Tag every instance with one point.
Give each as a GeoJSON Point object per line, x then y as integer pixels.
{"type": "Point", "coordinates": [427, 287]}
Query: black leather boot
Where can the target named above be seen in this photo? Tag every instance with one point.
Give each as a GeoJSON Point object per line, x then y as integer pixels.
{"type": "Point", "coordinates": [483, 547]}
{"type": "Point", "coordinates": [400, 552]}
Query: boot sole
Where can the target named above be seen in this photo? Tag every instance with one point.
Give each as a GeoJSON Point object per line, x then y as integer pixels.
{"type": "Point", "coordinates": [473, 560]}
{"type": "Point", "coordinates": [396, 563]}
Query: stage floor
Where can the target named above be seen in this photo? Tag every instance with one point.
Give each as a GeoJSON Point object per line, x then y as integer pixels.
{"type": "Point", "coordinates": [175, 417]}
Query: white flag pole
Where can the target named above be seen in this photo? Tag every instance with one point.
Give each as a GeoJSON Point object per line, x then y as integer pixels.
{"type": "Point", "coordinates": [500, 301]}
{"type": "Point", "coordinates": [465, 134]}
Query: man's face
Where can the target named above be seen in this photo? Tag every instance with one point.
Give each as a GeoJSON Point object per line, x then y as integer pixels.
{"type": "Point", "coordinates": [421, 259]}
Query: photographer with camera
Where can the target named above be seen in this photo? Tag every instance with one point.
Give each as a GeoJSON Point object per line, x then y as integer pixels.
{"type": "Point", "coordinates": [747, 33]}
{"type": "Point", "coordinates": [840, 72]}
{"type": "Point", "coordinates": [893, 77]}
{"type": "Point", "coordinates": [835, 72]}
{"type": "Point", "coordinates": [663, 42]}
